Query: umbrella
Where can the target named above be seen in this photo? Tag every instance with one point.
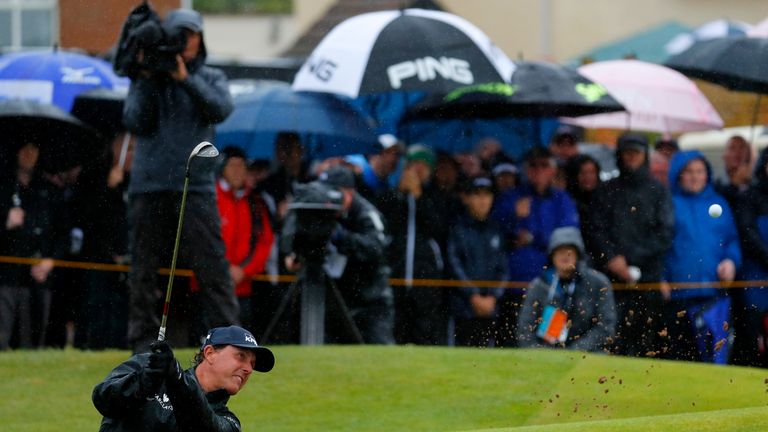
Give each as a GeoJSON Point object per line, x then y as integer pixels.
{"type": "Point", "coordinates": [54, 77]}
{"type": "Point", "coordinates": [537, 89]}
{"type": "Point", "coordinates": [737, 63]}
{"type": "Point", "coordinates": [64, 140]}
{"type": "Point", "coordinates": [329, 125]}
{"type": "Point", "coordinates": [402, 50]}
{"type": "Point", "coordinates": [101, 108]}
{"type": "Point", "coordinates": [709, 30]}
{"type": "Point", "coordinates": [656, 98]}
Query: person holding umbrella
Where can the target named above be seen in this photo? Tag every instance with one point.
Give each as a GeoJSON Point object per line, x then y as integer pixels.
{"type": "Point", "coordinates": [170, 113]}
{"type": "Point", "coordinates": [26, 231]}
{"type": "Point", "coordinates": [150, 391]}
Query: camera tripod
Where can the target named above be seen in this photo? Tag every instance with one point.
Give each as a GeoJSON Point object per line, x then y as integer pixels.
{"type": "Point", "coordinates": [313, 282]}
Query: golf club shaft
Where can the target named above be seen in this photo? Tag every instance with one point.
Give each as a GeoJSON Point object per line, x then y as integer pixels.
{"type": "Point", "coordinates": [166, 307]}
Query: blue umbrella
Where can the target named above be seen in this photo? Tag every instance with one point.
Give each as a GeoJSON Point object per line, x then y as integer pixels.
{"type": "Point", "coordinates": [54, 77]}
{"type": "Point", "coordinates": [328, 125]}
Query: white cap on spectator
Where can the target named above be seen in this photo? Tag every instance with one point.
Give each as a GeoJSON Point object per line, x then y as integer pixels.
{"type": "Point", "coordinates": [388, 140]}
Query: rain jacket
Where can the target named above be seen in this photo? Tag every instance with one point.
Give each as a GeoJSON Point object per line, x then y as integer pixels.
{"type": "Point", "coordinates": [246, 231]}
{"type": "Point", "coordinates": [361, 239]}
{"type": "Point", "coordinates": [170, 118]}
{"type": "Point", "coordinates": [752, 220]}
{"type": "Point", "coordinates": [634, 213]}
{"type": "Point", "coordinates": [551, 210]}
{"type": "Point", "coordinates": [475, 252]}
{"type": "Point", "coordinates": [590, 305]}
{"type": "Point", "coordinates": [127, 407]}
{"type": "Point", "coordinates": [700, 242]}
{"type": "Point", "coordinates": [35, 238]}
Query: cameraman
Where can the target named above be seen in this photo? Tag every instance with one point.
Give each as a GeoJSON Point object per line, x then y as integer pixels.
{"type": "Point", "coordinates": [359, 236]}
{"type": "Point", "coordinates": [170, 112]}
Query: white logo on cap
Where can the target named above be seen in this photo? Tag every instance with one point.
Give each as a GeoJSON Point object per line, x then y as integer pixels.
{"type": "Point", "coordinates": [249, 338]}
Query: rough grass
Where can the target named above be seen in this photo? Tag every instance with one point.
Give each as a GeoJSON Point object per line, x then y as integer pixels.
{"type": "Point", "coordinates": [420, 389]}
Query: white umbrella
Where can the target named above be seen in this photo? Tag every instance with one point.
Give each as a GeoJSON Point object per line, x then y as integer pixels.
{"type": "Point", "coordinates": [402, 50]}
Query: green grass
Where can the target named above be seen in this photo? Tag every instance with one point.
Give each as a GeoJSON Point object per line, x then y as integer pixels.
{"type": "Point", "coordinates": [420, 389]}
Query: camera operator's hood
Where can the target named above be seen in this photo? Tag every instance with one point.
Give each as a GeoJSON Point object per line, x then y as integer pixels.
{"type": "Point", "coordinates": [180, 19]}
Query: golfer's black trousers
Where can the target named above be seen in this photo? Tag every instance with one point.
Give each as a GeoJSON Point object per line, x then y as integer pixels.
{"type": "Point", "coordinates": [154, 218]}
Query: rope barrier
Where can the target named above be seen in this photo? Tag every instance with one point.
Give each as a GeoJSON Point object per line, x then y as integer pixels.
{"type": "Point", "coordinates": [433, 283]}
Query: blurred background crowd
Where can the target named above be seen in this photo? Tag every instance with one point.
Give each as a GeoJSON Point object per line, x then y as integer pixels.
{"type": "Point", "coordinates": [474, 200]}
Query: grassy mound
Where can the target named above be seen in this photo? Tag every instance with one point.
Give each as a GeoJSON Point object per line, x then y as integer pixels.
{"type": "Point", "coordinates": [420, 389]}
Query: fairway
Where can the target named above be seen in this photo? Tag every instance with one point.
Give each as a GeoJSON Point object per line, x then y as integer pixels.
{"type": "Point", "coordinates": [421, 389]}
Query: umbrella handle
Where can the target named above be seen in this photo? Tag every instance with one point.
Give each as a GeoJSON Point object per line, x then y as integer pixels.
{"type": "Point", "coordinates": [124, 149]}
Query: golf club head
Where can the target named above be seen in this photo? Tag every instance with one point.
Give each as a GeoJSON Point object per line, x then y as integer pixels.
{"type": "Point", "coordinates": [205, 150]}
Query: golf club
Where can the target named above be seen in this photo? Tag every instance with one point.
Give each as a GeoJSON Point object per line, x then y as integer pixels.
{"type": "Point", "coordinates": [206, 150]}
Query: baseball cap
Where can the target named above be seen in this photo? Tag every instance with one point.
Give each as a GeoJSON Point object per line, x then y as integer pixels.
{"type": "Point", "coordinates": [420, 152]}
{"type": "Point", "coordinates": [387, 141]}
{"type": "Point", "coordinates": [479, 184]}
{"type": "Point", "coordinates": [338, 176]}
{"type": "Point", "coordinates": [632, 141]}
{"type": "Point", "coordinates": [504, 168]}
{"type": "Point", "coordinates": [240, 337]}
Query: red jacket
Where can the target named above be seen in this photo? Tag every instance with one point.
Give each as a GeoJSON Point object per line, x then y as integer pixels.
{"type": "Point", "coordinates": [246, 231]}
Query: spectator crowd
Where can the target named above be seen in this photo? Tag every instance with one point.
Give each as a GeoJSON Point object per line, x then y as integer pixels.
{"type": "Point", "coordinates": [631, 265]}
{"type": "Point", "coordinates": [427, 248]}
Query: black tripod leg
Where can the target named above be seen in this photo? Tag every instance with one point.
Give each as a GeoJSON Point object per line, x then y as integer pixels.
{"type": "Point", "coordinates": [280, 310]}
{"type": "Point", "coordinates": [345, 311]}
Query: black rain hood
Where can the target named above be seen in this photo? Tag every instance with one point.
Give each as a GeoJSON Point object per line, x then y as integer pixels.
{"type": "Point", "coordinates": [637, 141]}
{"type": "Point", "coordinates": [179, 19]}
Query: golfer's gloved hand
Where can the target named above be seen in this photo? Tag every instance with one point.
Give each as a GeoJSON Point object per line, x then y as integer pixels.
{"type": "Point", "coordinates": [162, 361]}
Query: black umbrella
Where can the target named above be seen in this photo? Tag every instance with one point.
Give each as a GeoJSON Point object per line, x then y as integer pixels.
{"type": "Point", "coordinates": [102, 109]}
{"type": "Point", "coordinates": [537, 89]}
{"type": "Point", "coordinates": [64, 140]}
{"type": "Point", "coordinates": [737, 63]}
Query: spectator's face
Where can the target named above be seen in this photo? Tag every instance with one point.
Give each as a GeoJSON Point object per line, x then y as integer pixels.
{"type": "Point", "coordinates": [660, 168]}
{"type": "Point", "coordinates": [504, 181]}
{"type": "Point", "coordinates": [479, 203]}
{"type": "Point", "coordinates": [235, 172]}
{"type": "Point", "coordinates": [632, 159]}
{"type": "Point", "coordinates": [446, 173]}
{"type": "Point", "coordinates": [565, 258]}
{"type": "Point", "coordinates": [564, 148]}
{"type": "Point", "coordinates": [256, 176]}
{"type": "Point", "coordinates": [737, 153]}
{"type": "Point", "coordinates": [422, 169]}
{"type": "Point", "coordinates": [588, 177]}
{"type": "Point", "coordinates": [541, 173]}
{"type": "Point", "coordinates": [193, 46]}
{"type": "Point", "coordinates": [27, 157]}
{"type": "Point", "coordinates": [229, 367]}
{"type": "Point", "coordinates": [693, 178]}
{"type": "Point", "coordinates": [389, 159]}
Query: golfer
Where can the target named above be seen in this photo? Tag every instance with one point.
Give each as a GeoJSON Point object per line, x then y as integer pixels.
{"type": "Point", "coordinates": [151, 392]}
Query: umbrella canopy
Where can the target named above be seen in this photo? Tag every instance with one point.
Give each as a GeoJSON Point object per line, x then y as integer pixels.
{"type": "Point", "coordinates": [709, 30]}
{"type": "Point", "coordinates": [737, 63]}
{"type": "Point", "coordinates": [656, 98]}
{"type": "Point", "coordinates": [402, 50]}
{"type": "Point", "coordinates": [101, 108]}
{"type": "Point", "coordinates": [54, 77]}
{"type": "Point", "coordinates": [537, 89]}
{"type": "Point", "coordinates": [336, 127]}
{"type": "Point", "coordinates": [63, 139]}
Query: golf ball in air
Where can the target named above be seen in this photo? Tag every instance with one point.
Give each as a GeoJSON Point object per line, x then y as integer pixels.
{"type": "Point", "coordinates": [715, 210]}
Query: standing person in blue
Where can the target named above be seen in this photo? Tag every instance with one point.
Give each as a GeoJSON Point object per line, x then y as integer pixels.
{"type": "Point", "coordinates": [705, 249]}
{"type": "Point", "coordinates": [152, 392]}
{"type": "Point", "coordinates": [528, 215]}
{"type": "Point", "coordinates": [475, 252]}
{"type": "Point", "coordinates": [569, 304]}
{"type": "Point", "coordinates": [751, 304]}
{"type": "Point", "coordinates": [170, 113]}
{"type": "Point", "coordinates": [634, 213]}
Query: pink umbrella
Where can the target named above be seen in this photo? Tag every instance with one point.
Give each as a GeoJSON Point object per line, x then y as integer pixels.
{"type": "Point", "coordinates": [759, 30]}
{"type": "Point", "coordinates": [657, 99]}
